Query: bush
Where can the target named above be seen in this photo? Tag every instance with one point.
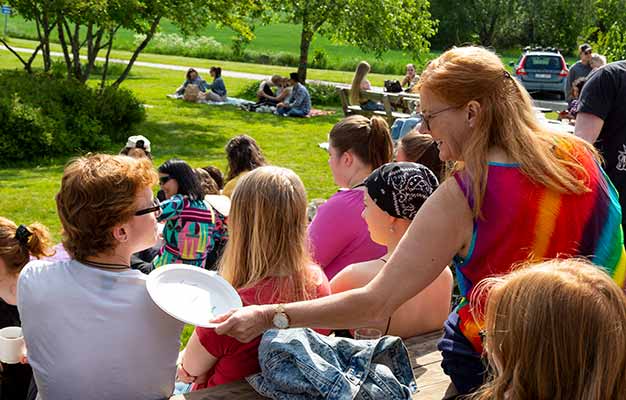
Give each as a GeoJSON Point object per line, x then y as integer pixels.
{"type": "Point", "coordinates": [248, 92]}
{"type": "Point", "coordinates": [44, 116]}
{"type": "Point", "coordinates": [320, 59]}
{"type": "Point", "coordinates": [323, 95]}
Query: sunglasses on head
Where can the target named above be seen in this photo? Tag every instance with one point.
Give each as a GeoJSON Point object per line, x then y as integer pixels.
{"type": "Point", "coordinates": [163, 180]}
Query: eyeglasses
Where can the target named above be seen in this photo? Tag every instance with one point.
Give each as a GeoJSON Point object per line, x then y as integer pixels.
{"type": "Point", "coordinates": [427, 117]}
{"type": "Point", "coordinates": [163, 180]}
{"type": "Point", "coordinates": [156, 208]}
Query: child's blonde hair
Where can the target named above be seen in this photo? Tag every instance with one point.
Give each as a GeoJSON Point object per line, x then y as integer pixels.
{"type": "Point", "coordinates": [555, 330]}
{"type": "Point", "coordinates": [267, 234]}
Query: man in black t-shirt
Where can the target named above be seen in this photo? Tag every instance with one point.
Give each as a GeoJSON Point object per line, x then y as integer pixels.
{"type": "Point", "coordinates": [601, 120]}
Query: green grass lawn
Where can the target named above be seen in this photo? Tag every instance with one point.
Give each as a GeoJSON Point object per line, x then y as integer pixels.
{"type": "Point", "coordinates": [196, 133]}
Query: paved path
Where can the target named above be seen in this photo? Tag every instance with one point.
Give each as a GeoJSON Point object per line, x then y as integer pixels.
{"type": "Point", "coordinates": [171, 67]}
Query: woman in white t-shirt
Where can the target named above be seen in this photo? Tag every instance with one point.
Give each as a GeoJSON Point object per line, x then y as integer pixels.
{"type": "Point", "coordinates": [92, 330]}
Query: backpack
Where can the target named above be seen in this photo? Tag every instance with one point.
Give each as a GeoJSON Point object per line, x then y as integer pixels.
{"type": "Point", "coordinates": [393, 86]}
{"type": "Point", "coordinates": [191, 93]}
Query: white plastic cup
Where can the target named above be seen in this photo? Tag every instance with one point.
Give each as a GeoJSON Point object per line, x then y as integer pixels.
{"type": "Point", "coordinates": [11, 344]}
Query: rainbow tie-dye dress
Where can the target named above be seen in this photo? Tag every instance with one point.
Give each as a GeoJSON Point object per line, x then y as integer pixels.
{"type": "Point", "coordinates": [523, 221]}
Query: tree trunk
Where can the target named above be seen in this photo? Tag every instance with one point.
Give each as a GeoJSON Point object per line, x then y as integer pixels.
{"type": "Point", "coordinates": [27, 64]}
{"type": "Point", "coordinates": [93, 48]}
{"type": "Point", "coordinates": [45, 41]}
{"type": "Point", "coordinates": [105, 69]}
{"type": "Point", "coordinates": [63, 43]}
{"type": "Point", "coordinates": [75, 41]}
{"type": "Point", "coordinates": [305, 42]}
{"type": "Point", "coordinates": [138, 50]}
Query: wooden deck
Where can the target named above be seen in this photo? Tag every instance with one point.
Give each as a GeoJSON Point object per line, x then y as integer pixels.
{"type": "Point", "coordinates": [432, 383]}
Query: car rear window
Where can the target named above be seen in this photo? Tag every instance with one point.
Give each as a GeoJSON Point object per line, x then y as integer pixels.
{"type": "Point", "coordinates": [543, 62]}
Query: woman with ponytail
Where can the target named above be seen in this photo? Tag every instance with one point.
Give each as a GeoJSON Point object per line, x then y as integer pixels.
{"type": "Point", "coordinates": [338, 235]}
{"type": "Point", "coordinates": [17, 245]}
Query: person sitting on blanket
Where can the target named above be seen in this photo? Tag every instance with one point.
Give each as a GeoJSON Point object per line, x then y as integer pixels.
{"type": "Point", "coordinates": [299, 102]}
{"type": "Point", "coordinates": [265, 94]}
{"type": "Point", "coordinates": [192, 78]}
{"type": "Point", "coordinates": [267, 261]}
{"type": "Point", "coordinates": [217, 89]}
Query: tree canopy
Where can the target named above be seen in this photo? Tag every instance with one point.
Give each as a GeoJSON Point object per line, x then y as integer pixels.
{"type": "Point", "coordinates": [86, 27]}
{"type": "Point", "coordinates": [373, 26]}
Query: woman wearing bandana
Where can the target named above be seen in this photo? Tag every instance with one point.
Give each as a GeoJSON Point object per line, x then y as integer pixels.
{"type": "Point", "coordinates": [393, 195]}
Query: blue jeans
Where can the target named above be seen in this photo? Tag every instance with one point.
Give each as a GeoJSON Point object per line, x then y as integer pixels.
{"type": "Point", "coordinates": [465, 367]}
{"type": "Point", "coordinates": [371, 105]}
{"type": "Point", "coordinates": [291, 112]}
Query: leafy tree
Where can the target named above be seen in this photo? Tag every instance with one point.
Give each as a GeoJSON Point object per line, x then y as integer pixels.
{"type": "Point", "coordinates": [608, 31]}
{"type": "Point", "coordinates": [90, 26]}
{"type": "Point", "coordinates": [477, 21]}
{"type": "Point", "coordinates": [375, 26]}
{"type": "Point", "coordinates": [41, 13]}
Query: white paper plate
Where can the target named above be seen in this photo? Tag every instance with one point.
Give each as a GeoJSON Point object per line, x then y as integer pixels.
{"type": "Point", "coordinates": [191, 294]}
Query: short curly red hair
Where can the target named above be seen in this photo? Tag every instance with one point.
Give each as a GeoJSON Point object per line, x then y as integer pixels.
{"type": "Point", "coordinates": [97, 193]}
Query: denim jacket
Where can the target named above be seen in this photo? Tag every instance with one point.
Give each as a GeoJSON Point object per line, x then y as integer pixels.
{"type": "Point", "coordinates": [300, 98]}
{"type": "Point", "coordinates": [298, 364]}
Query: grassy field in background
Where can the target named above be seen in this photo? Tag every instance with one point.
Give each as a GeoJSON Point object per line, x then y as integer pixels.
{"type": "Point", "coordinates": [273, 38]}
{"type": "Point", "coordinates": [315, 74]}
{"type": "Point", "coordinates": [196, 133]}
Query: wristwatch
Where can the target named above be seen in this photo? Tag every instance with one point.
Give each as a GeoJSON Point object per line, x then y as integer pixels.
{"type": "Point", "coordinates": [280, 319]}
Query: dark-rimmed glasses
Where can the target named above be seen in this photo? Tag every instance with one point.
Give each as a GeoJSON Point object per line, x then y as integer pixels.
{"type": "Point", "coordinates": [163, 179]}
{"type": "Point", "coordinates": [156, 208]}
{"type": "Point", "coordinates": [428, 116]}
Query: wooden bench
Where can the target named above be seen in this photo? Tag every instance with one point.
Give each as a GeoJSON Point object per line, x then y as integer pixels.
{"type": "Point", "coordinates": [405, 100]}
{"type": "Point", "coordinates": [432, 383]}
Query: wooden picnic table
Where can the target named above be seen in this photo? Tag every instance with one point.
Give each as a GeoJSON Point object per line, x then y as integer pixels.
{"type": "Point", "coordinates": [432, 383]}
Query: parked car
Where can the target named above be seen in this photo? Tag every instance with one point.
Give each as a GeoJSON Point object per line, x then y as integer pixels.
{"type": "Point", "coordinates": [542, 70]}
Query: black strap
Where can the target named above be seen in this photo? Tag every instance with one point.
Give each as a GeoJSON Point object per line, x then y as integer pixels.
{"type": "Point", "coordinates": [389, 320]}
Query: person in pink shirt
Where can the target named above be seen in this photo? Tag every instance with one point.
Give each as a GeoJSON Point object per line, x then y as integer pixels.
{"type": "Point", "coordinates": [338, 236]}
{"type": "Point", "coordinates": [267, 261]}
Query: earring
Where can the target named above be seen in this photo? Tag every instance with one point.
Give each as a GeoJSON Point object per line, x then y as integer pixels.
{"type": "Point", "coordinates": [392, 229]}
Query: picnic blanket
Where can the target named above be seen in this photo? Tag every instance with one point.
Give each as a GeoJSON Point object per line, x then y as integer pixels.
{"type": "Point", "coordinates": [234, 101]}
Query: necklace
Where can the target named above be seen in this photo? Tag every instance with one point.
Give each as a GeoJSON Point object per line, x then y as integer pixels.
{"type": "Point", "coordinates": [102, 265]}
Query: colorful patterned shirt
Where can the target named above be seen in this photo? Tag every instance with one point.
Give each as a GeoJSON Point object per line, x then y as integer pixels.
{"type": "Point", "coordinates": [192, 230]}
{"type": "Point", "coordinates": [524, 221]}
